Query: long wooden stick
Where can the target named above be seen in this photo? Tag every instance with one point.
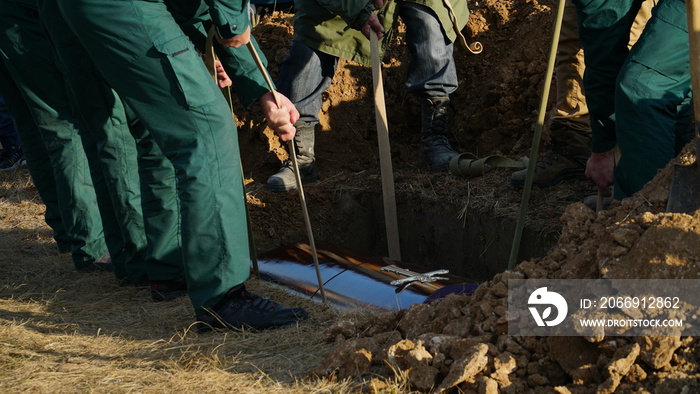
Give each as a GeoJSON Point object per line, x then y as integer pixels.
{"type": "Point", "coordinates": [392, 227]}
{"type": "Point", "coordinates": [535, 149]}
{"type": "Point", "coordinates": [297, 176]}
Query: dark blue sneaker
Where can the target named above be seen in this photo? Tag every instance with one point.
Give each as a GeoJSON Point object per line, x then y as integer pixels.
{"type": "Point", "coordinates": [11, 158]}
{"type": "Point", "coordinates": [241, 309]}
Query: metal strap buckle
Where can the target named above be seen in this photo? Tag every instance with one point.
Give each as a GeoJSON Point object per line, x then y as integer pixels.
{"type": "Point", "coordinates": [412, 277]}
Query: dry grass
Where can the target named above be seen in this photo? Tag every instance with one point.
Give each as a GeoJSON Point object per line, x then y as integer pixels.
{"type": "Point", "coordinates": [64, 331]}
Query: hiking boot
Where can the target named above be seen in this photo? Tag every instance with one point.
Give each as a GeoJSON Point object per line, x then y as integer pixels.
{"type": "Point", "coordinates": [566, 159]}
{"type": "Point", "coordinates": [240, 308]}
{"type": "Point", "coordinates": [435, 149]}
{"type": "Point", "coordinates": [285, 180]}
{"type": "Point", "coordinates": [168, 290]}
{"type": "Point", "coordinates": [11, 158]}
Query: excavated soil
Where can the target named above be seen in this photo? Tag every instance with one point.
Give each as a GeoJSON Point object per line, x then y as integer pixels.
{"type": "Point", "coordinates": [493, 112]}
{"type": "Point", "coordinates": [461, 344]}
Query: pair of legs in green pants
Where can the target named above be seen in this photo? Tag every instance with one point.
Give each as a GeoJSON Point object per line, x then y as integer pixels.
{"type": "Point", "coordinates": [141, 229]}
{"type": "Point", "coordinates": [54, 150]}
{"type": "Point", "coordinates": [140, 180]}
{"type": "Point", "coordinates": [638, 98]}
{"type": "Point", "coordinates": [143, 54]}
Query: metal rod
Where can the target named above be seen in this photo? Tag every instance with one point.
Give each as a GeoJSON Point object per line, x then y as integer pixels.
{"type": "Point", "coordinates": [210, 62]}
{"type": "Point", "coordinates": [535, 150]}
{"type": "Point", "coordinates": [297, 176]}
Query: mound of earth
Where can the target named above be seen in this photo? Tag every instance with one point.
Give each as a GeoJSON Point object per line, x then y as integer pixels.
{"type": "Point", "coordinates": [460, 343]}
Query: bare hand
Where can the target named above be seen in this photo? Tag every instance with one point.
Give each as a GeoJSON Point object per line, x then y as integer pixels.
{"type": "Point", "coordinates": [235, 41]}
{"type": "Point", "coordinates": [378, 4]}
{"type": "Point", "coordinates": [281, 119]}
{"type": "Point", "coordinates": [222, 78]}
{"type": "Point", "coordinates": [373, 24]}
{"type": "Point", "coordinates": [599, 169]}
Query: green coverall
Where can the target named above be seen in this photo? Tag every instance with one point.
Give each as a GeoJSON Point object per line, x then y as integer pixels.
{"type": "Point", "coordinates": [30, 75]}
{"type": "Point", "coordinates": [143, 54]}
{"type": "Point", "coordinates": [639, 99]}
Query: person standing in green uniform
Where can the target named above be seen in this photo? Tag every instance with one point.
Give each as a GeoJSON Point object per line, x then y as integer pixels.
{"type": "Point", "coordinates": [141, 181]}
{"type": "Point", "coordinates": [638, 99]}
{"type": "Point", "coordinates": [326, 30]}
{"type": "Point", "coordinates": [144, 55]}
{"type": "Point", "coordinates": [35, 92]}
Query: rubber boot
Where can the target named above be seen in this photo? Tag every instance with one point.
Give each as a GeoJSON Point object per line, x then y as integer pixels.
{"type": "Point", "coordinates": [435, 149]}
{"type": "Point", "coordinates": [284, 180]}
{"type": "Point", "coordinates": [566, 159]}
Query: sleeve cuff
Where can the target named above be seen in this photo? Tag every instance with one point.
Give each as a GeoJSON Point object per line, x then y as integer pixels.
{"type": "Point", "coordinates": [362, 17]}
{"type": "Point", "coordinates": [228, 24]}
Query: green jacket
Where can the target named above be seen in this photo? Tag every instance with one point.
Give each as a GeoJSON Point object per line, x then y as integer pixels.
{"type": "Point", "coordinates": [331, 26]}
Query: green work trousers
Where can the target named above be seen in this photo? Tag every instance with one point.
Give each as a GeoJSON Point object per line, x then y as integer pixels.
{"type": "Point", "coordinates": [40, 168]}
{"type": "Point", "coordinates": [145, 57]}
{"type": "Point", "coordinates": [140, 179]}
{"type": "Point", "coordinates": [638, 99]}
{"type": "Point", "coordinates": [29, 63]}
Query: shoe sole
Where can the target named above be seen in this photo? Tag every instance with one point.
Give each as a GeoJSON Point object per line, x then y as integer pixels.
{"type": "Point", "coordinates": [440, 168]}
{"type": "Point", "coordinates": [14, 166]}
{"type": "Point", "coordinates": [288, 188]}
{"type": "Point", "coordinates": [157, 296]}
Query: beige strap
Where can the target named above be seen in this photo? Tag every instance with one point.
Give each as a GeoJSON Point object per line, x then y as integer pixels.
{"type": "Point", "coordinates": [475, 47]}
{"type": "Point", "coordinates": [392, 227]}
{"type": "Point", "coordinates": [209, 55]}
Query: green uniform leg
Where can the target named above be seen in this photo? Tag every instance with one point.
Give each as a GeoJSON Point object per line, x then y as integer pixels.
{"type": "Point", "coordinates": [160, 209]}
{"type": "Point", "coordinates": [156, 70]}
{"type": "Point", "coordinates": [652, 101]}
{"type": "Point", "coordinates": [37, 158]}
{"type": "Point", "coordinates": [32, 68]}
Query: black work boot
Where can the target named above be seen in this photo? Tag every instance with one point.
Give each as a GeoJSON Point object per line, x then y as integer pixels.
{"type": "Point", "coordinates": [565, 159]}
{"type": "Point", "coordinates": [242, 309]}
{"type": "Point", "coordinates": [435, 149]}
{"type": "Point", "coordinates": [168, 290]}
{"type": "Point", "coordinates": [284, 180]}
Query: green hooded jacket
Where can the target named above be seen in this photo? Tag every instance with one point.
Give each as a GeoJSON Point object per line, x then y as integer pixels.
{"type": "Point", "coordinates": [332, 26]}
